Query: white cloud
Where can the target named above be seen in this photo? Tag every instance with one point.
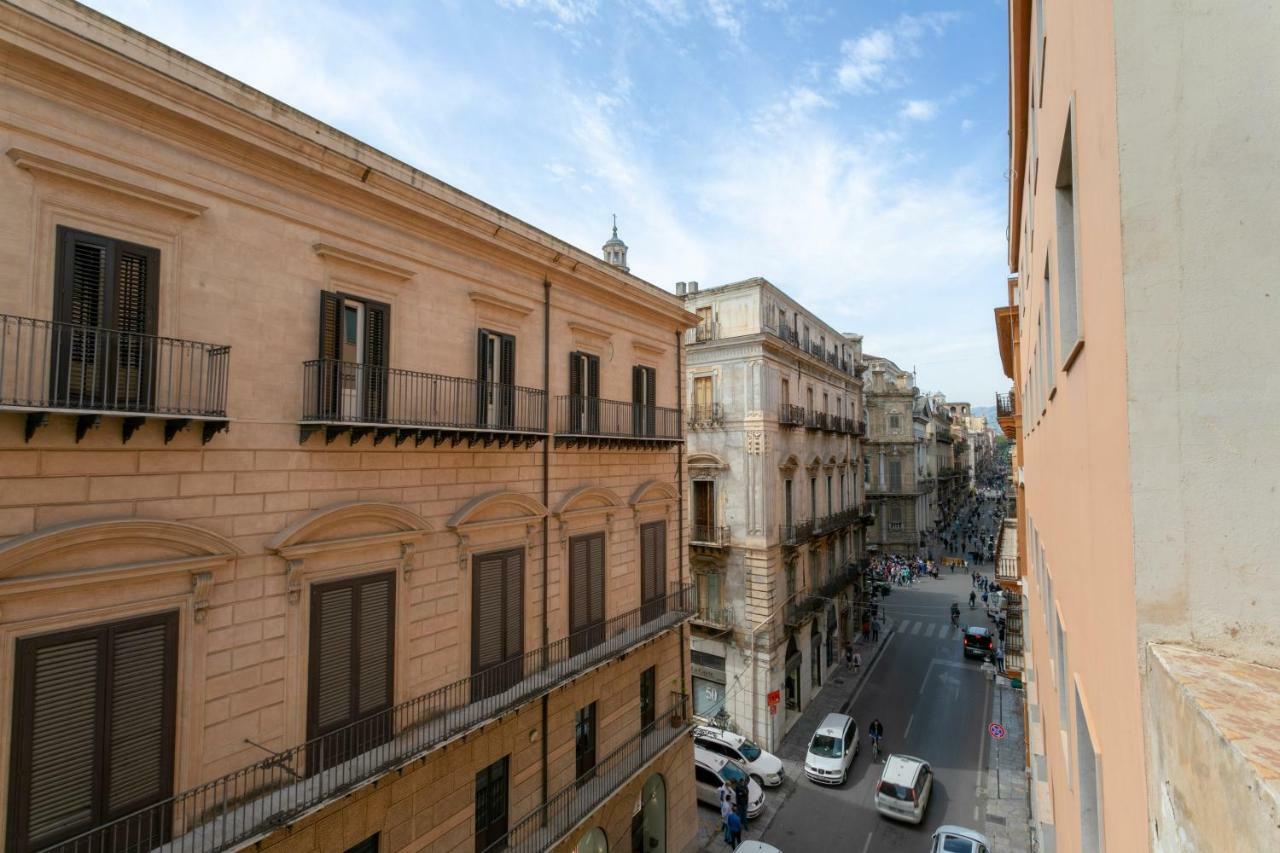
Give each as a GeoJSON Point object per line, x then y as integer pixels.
{"type": "Point", "coordinates": [966, 125]}
{"type": "Point", "coordinates": [797, 106]}
{"type": "Point", "coordinates": [919, 110]}
{"type": "Point", "coordinates": [868, 62]}
{"type": "Point", "coordinates": [566, 12]}
{"type": "Point", "coordinates": [724, 16]}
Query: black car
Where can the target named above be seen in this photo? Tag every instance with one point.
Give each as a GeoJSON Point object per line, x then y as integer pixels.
{"type": "Point", "coordinates": [978, 643]}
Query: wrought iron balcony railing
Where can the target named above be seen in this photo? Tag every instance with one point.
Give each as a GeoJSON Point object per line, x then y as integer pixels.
{"type": "Point", "coordinates": [547, 824]}
{"type": "Point", "coordinates": [789, 415]}
{"type": "Point", "coordinates": [48, 368]}
{"type": "Point", "coordinates": [787, 334]}
{"type": "Point", "coordinates": [703, 415]}
{"type": "Point", "coordinates": [814, 420]}
{"type": "Point", "coordinates": [708, 535]}
{"type": "Point", "coordinates": [344, 396]}
{"type": "Point", "coordinates": [702, 332]}
{"type": "Point", "coordinates": [719, 617]}
{"type": "Point", "coordinates": [796, 534]}
{"type": "Point", "coordinates": [593, 421]}
{"type": "Point", "coordinates": [1005, 407]}
{"type": "Point", "coordinates": [221, 814]}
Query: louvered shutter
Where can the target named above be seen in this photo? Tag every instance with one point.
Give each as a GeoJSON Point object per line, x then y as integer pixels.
{"type": "Point", "coordinates": [576, 392]}
{"type": "Point", "coordinates": [596, 579]}
{"type": "Point", "coordinates": [134, 298]}
{"type": "Point", "coordinates": [637, 400]}
{"type": "Point", "coordinates": [487, 613]}
{"type": "Point", "coordinates": [61, 753]}
{"type": "Point", "coordinates": [507, 393]}
{"type": "Point", "coordinates": [513, 592]}
{"type": "Point", "coordinates": [648, 555]}
{"type": "Point", "coordinates": [331, 658]}
{"type": "Point", "coordinates": [330, 353]}
{"type": "Point", "coordinates": [579, 583]}
{"type": "Point", "coordinates": [375, 642]}
{"type": "Point", "coordinates": [80, 301]}
{"type": "Point", "coordinates": [651, 398]}
{"type": "Point", "coordinates": [142, 686]}
{"type": "Point", "coordinates": [593, 394]}
{"type": "Point", "coordinates": [377, 330]}
{"type": "Point", "coordinates": [483, 377]}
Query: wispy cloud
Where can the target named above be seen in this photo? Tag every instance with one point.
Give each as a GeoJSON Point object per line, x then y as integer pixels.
{"type": "Point", "coordinates": [919, 110]}
{"type": "Point", "coordinates": [567, 12]}
{"type": "Point", "coordinates": [870, 61]}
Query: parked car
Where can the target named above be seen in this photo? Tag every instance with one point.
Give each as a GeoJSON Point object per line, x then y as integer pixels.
{"type": "Point", "coordinates": [978, 643]}
{"type": "Point", "coordinates": [904, 788]}
{"type": "Point", "coordinates": [711, 770]}
{"type": "Point", "coordinates": [755, 847]}
{"type": "Point", "coordinates": [764, 767]}
{"type": "Point", "coordinates": [957, 839]}
{"type": "Point", "coordinates": [832, 749]}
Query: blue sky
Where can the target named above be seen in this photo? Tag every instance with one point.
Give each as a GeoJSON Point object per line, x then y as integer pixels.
{"type": "Point", "coordinates": [852, 152]}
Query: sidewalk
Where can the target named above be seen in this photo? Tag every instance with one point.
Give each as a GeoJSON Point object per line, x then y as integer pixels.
{"type": "Point", "coordinates": [835, 697]}
{"type": "Point", "coordinates": [1006, 809]}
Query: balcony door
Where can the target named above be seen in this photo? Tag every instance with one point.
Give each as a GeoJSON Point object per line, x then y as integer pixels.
{"type": "Point", "coordinates": [643, 399]}
{"type": "Point", "coordinates": [653, 569]}
{"type": "Point", "coordinates": [586, 592]}
{"type": "Point", "coordinates": [353, 358]}
{"type": "Point", "coordinates": [103, 350]}
{"type": "Point", "coordinates": [702, 398]}
{"type": "Point", "coordinates": [496, 372]}
{"type": "Point", "coordinates": [704, 510]}
{"type": "Point", "coordinates": [497, 622]}
{"type": "Point", "coordinates": [584, 393]}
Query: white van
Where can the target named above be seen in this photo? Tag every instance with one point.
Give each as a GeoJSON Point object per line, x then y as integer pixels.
{"type": "Point", "coordinates": [832, 749]}
{"type": "Point", "coordinates": [905, 785]}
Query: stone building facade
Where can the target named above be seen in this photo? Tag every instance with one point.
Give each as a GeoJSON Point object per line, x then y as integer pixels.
{"type": "Point", "coordinates": [330, 496]}
{"type": "Point", "coordinates": [891, 460]}
{"type": "Point", "coordinates": [775, 420]}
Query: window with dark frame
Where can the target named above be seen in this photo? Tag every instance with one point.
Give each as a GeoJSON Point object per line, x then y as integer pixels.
{"type": "Point", "coordinates": [584, 742]}
{"type": "Point", "coordinates": [644, 411]}
{"type": "Point", "coordinates": [351, 664]}
{"type": "Point", "coordinates": [354, 348]}
{"type": "Point", "coordinates": [496, 375]}
{"type": "Point", "coordinates": [497, 621]}
{"type": "Point", "coordinates": [586, 592]}
{"type": "Point", "coordinates": [653, 569]}
{"type": "Point", "coordinates": [491, 804]}
{"type": "Point", "coordinates": [584, 393]}
{"type": "Point", "coordinates": [648, 698]}
{"type": "Point", "coordinates": [93, 729]}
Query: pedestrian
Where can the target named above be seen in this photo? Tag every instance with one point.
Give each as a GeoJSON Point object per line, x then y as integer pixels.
{"type": "Point", "coordinates": [743, 795]}
{"type": "Point", "coordinates": [733, 830]}
{"type": "Point", "coordinates": [875, 631]}
{"type": "Point", "coordinates": [848, 655]}
{"type": "Point", "coordinates": [1000, 659]}
{"type": "Point", "coordinates": [857, 662]}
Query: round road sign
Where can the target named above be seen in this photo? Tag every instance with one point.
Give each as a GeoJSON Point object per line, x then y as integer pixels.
{"type": "Point", "coordinates": [996, 730]}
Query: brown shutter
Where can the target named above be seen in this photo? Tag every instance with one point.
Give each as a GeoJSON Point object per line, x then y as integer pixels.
{"type": "Point", "coordinates": [142, 686]}
{"type": "Point", "coordinates": [596, 578]}
{"type": "Point", "coordinates": [330, 351]}
{"type": "Point", "coordinates": [513, 593]}
{"type": "Point", "coordinates": [331, 662]}
{"type": "Point", "coordinates": [80, 300]}
{"type": "Point", "coordinates": [579, 583]}
{"type": "Point", "coordinates": [375, 645]}
{"type": "Point", "coordinates": [593, 394]}
{"type": "Point", "coordinates": [134, 316]}
{"type": "Point", "coordinates": [377, 331]}
{"type": "Point", "coordinates": [55, 741]}
{"type": "Point", "coordinates": [487, 611]}
{"type": "Point", "coordinates": [506, 394]}
{"type": "Point", "coordinates": [575, 374]}
{"type": "Point", "coordinates": [648, 557]}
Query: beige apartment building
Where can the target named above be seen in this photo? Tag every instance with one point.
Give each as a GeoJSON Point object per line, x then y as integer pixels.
{"type": "Point", "coordinates": [894, 474]}
{"type": "Point", "coordinates": [1140, 335]}
{"type": "Point", "coordinates": [775, 417]}
{"type": "Point", "coordinates": [338, 509]}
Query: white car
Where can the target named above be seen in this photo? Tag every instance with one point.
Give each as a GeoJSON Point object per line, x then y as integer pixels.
{"type": "Point", "coordinates": [957, 839]}
{"type": "Point", "coordinates": [904, 788]}
{"type": "Point", "coordinates": [755, 847]}
{"type": "Point", "coordinates": [764, 767]}
{"type": "Point", "coordinates": [832, 749]}
{"type": "Point", "coordinates": [711, 771]}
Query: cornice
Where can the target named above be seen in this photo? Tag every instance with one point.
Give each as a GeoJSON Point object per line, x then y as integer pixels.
{"type": "Point", "coordinates": [329, 252]}
{"type": "Point", "coordinates": [44, 166]}
{"type": "Point", "coordinates": [588, 335]}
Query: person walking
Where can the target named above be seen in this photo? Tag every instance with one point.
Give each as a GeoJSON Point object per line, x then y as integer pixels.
{"type": "Point", "coordinates": [743, 795]}
{"type": "Point", "coordinates": [733, 830]}
{"type": "Point", "coordinates": [857, 662]}
{"type": "Point", "coordinates": [1000, 659]}
{"type": "Point", "coordinates": [726, 809]}
{"type": "Point", "coordinates": [848, 655]}
{"type": "Point", "coordinates": [875, 630]}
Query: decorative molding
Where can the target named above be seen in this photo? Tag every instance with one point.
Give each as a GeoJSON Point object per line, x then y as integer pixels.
{"type": "Point", "coordinates": [191, 545]}
{"type": "Point", "coordinates": [527, 510]}
{"type": "Point", "coordinates": [301, 538]}
{"type": "Point", "coordinates": [329, 252]}
{"type": "Point", "coordinates": [293, 579]}
{"type": "Point", "coordinates": [489, 306]}
{"type": "Point", "coordinates": [584, 335]}
{"type": "Point", "coordinates": [707, 462]}
{"type": "Point", "coordinates": [406, 558]}
{"type": "Point", "coordinates": [644, 348]}
{"type": "Point", "coordinates": [653, 493]}
{"type": "Point", "coordinates": [201, 585]}
{"type": "Point", "coordinates": [39, 165]}
{"type": "Point", "coordinates": [757, 443]}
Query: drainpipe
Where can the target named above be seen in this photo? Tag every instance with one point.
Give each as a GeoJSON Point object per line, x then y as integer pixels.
{"type": "Point", "coordinates": [688, 687]}
{"type": "Point", "coordinates": [546, 518]}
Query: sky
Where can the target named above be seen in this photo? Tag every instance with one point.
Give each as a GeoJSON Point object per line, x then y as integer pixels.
{"type": "Point", "coordinates": [850, 151]}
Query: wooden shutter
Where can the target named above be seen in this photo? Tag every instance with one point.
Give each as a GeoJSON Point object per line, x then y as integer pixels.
{"type": "Point", "coordinates": [332, 612]}
{"type": "Point", "coordinates": [579, 583]}
{"type": "Point", "coordinates": [377, 331]}
{"type": "Point", "coordinates": [575, 375]}
{"type": "Point", "coordinates": [507, 391]}
{"type": "Point", "coordinates": [80, 300]}
{"type": "Point", "coordinates": [596, 579]}
{"type": "Point", "coordinates": [375, 645]}
{"type": "Point", "coordinates": [330, 352]}
{"type": "Point", "coordinates": [593, 394]}
{"type": "Point", "coordinates": [513, 599]}
{"type": "Point", "coordinates": [134, 316]}
{"type": "Point", "coordinates": [487, 611]}
{"type": "Point", "coordinates": [141, 683]}
{"type": "Point", "coordinates": [637, 401]}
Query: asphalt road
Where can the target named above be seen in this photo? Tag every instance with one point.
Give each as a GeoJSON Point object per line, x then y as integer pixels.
{"type": "Point", "coordinates": [934, 705]}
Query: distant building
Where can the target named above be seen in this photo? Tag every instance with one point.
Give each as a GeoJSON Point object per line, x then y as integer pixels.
{"type": "Point", "coordinates": [893, 458]}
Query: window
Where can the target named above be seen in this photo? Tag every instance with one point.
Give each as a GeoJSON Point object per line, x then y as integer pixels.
{"type": "Point", "coordinates": [806, 337]}
{"type": "Point", "coordinates": [584, 742]}
{"type": "Point", "coordinates": [786, 393]}
{"type": "Point", "coordinates": [350, 664]}
{"type": "Point", "coordinates": [826, 403]}
{"type": "Point", "coordinates": [813, 498]}
{"type": "Point", "coordinates": [369, 845]}
{"type": "Point", "coordinates": [491, 804]}
{"type": "Point", "coordinates": [704, 510]}
{"type": "Point", "coordinates": [496, 372]}
{"type": "Point", "coordinates": [643, 398]}
{"type": "Point", "coordinates": [93, 731]}
{"type": "Point", "coordinates": [586, 592]}
{"type": "Point", "coordinates": [1087, 770]}
{"type": "Point", "coordinates": [708, 589]}
{"type": "Point", "coordinates": [653, 569]}
{"type": "Point", "coordinates": [809, 398]}
{"type": "Point", "coordinates": [843, 499]}
{"type": "Point", "coordinates": [1070, 331]}
{"type": "Point", "coordinates": [895, 423]}
{"type": "Point", "coordinates": [107, 291]}
{"type": "Point", "coordinates": [648, 698]}
{"type": "Point", "coordinates": [1050, 365]}
{"type": "Point", "coordinates": [895, 517]}
{"type": "Point", "coordinates": [791, 580]}
{"type": "Point", "coordinates": [584, 393]}
{"type": "Point", "coordinates": [354, 342]}
{"type": "Point", "coordinates": [788, 502]}
{"type": "Point", "coordinates": [702, 398]}
{"type": "Point", "coordinates": [497, 621]}
{"type": "Point", "coordinates": [830, 506]}
{"type": "Point", "coordinates": [895, 475]}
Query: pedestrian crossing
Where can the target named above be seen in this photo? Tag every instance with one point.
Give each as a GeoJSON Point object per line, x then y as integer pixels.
{"type": "Point", "coordinates": [937, 630]}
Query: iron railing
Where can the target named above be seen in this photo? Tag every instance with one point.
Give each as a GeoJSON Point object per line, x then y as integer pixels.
{"type": "Point", "coordinates": [708, 534]}
{"type": "Point", "coordinates": [1005, 405]}
{"type": "Point", "coordinates": [795, 534]}
{"type": "Point", "coordinates": [790, 415]}
{"type": "Point", "coordinates": [547, 824]}
{"type": "Point", "coordinates": [702, 332]}
{"type": "Point", "coordinates": [705, 414]}
{"type": "Point", "coordinates": [51, 366]}
{"type": "Point", "coordinates": [593, 417]}
{"type": "Point", "coordinates": [345, 392]}
{"type": "Point", "coordinates": [786, 333]}
{"type": "Point", "coordinates": [239, 806]}
{"type": "Point", "coordinates": [721, 617]}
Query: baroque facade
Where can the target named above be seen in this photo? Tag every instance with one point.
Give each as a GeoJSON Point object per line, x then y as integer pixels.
{"type": "Point", "coordinates": [775, 419]}
{"type": "Point", "coordinates": [337, 507]}
{"type": "Point", "coordinates": [893, 458]}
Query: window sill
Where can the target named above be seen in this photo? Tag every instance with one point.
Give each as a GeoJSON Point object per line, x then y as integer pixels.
{"type": "Point", "coordinates": [1072, 355]}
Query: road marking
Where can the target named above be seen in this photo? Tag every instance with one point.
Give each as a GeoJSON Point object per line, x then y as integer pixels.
{"type": "Point", "coordinates": [915, 629]}
{"type": "Point", "coordinates": [929, 631]}
{"type": "Point", "coordinates": [867, 846]}
{"type": "Point", "coordinates": [907, 731]}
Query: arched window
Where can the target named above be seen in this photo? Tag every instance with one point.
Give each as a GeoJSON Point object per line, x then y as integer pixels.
{"type": "Point", "coordinates": [595, 841]}
{"type": "Point", "coordinates": [649, 825]}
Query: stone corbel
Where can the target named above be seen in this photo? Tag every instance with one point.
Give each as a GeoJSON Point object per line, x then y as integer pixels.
{"type": "Point", "coordinates": [293, 579]}
{"type": "Point", "coordinates": [201, 585]}
{"type": "Point", "coordinates": [406, 558]}
{"type": "Point", "coordinates": [463, 542]}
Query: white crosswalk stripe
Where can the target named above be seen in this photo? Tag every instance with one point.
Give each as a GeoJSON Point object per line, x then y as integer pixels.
{"type": "Point", "coordinates": [928, 632]}
{"type": "Point", "coordinates": [915, 629]}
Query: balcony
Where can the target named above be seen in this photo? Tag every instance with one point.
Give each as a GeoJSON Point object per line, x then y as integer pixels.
{"type": "Point", "coordinates": [705, 415]}
{"type": "Point", "coordinates": [801, 605]}
{"type": "Point", "coordinates": [791, 535]}
{"type": "Point", "coordinates": [787, 334]}
{"type": "Point", "coordinates": [547, 824]}
{"type": "Point", "coordinates": [791, 416]}
{"type": "Point", "coordinates": [593, 422]}
{"type": "Point", "coordinates": [708, 536]}
{"type": "Point", "coordinates": [815, 420]}
{"type": "Point", "coordinates": [702, 332]}
{"type": "Point", "coordinates": [224, 813]}
{"type": "Point", "coordinates": [1007, 414]}
{"type": "Point", "coordinates": [49, 368]}
{"type": "Point", "coordinates": [714, 617]}
{"type": "Point", "coordinates": [360, 399]}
